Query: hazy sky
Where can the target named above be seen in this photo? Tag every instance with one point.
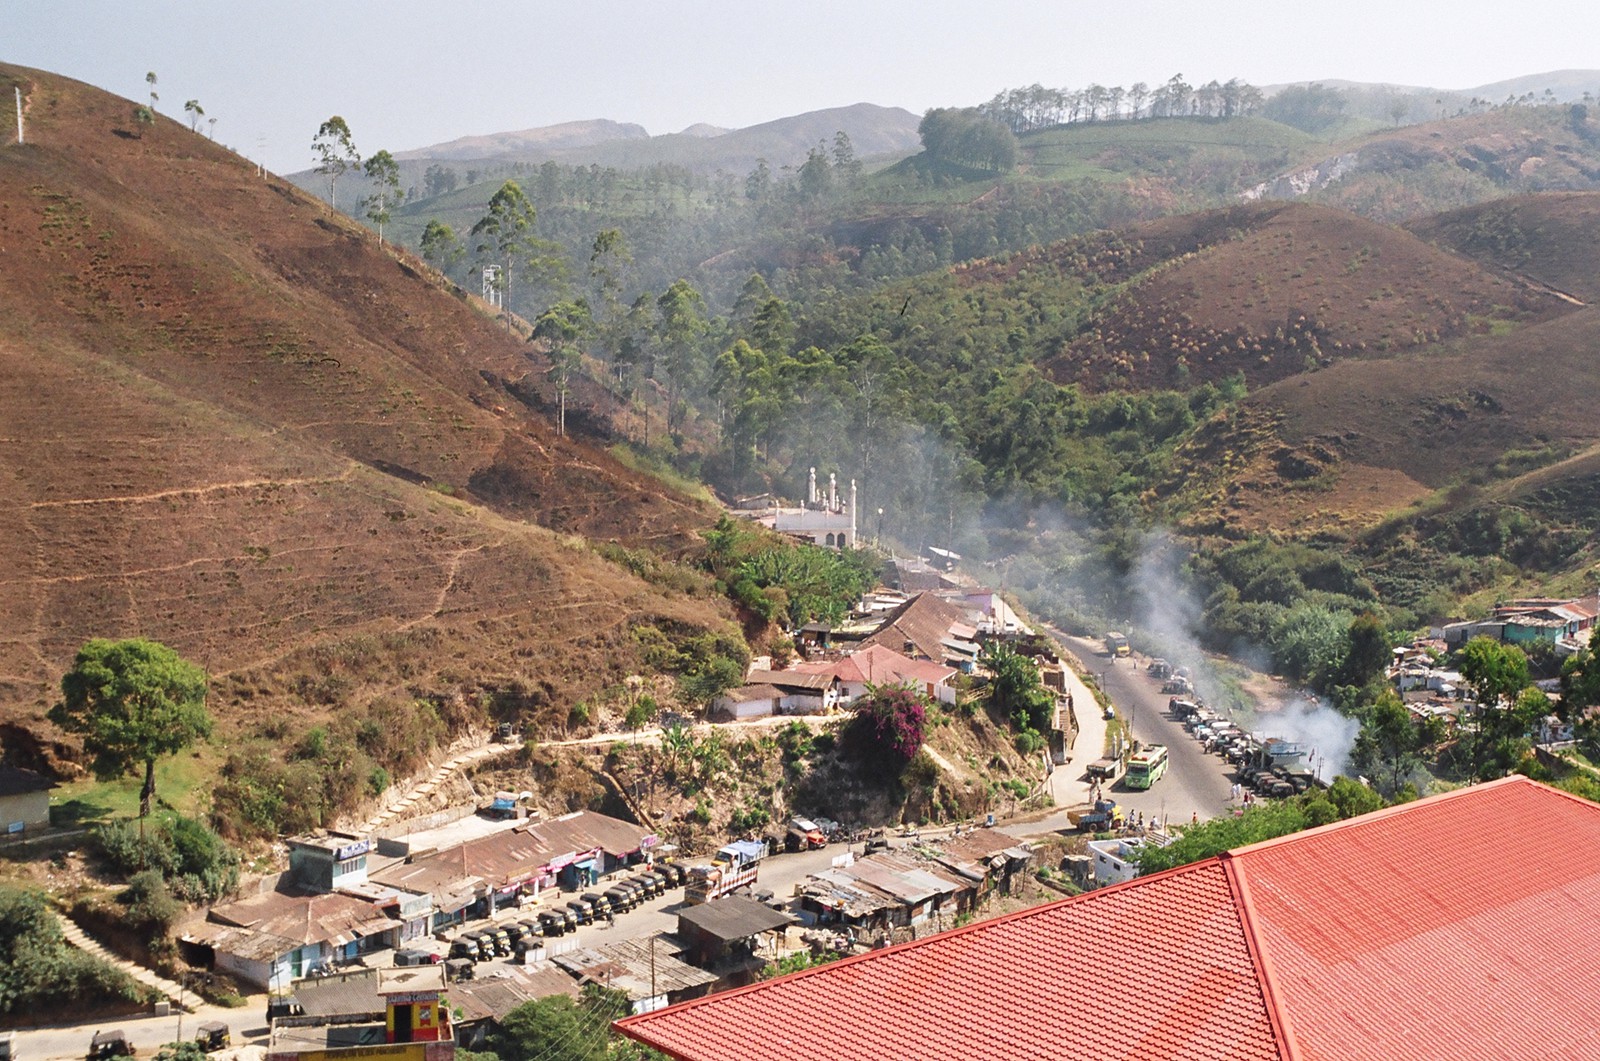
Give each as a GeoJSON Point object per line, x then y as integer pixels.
{"type": "Point", "coordinates": [408, 73]}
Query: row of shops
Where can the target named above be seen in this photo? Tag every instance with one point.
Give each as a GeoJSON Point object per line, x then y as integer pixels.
{"type": "Point", "coordinates": [344, 896]}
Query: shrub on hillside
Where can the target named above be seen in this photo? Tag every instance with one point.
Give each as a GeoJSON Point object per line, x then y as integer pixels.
{"type": "Point", "coordinates": [40, 971]}
{"type": "Point", "coordinates": [192, 861]}
{"type": "Point", "coordinates": [891, 719]}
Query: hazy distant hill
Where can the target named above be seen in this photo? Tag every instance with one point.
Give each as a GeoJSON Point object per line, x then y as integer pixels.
{"type": "Point", "coordinates": [567, 136]}
{"type": "Point", "coordinates": [1566, 85]}
{"type": "Point", "coordinates": [874, 131]}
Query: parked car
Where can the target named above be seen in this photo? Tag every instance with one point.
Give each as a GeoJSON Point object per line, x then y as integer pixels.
{"type": "Point", "coordinates": [674, 871]}
{"type": "Point", "coordinates": [465, 947]}
{"type": "Point", "coordinates": [411, 956]}
{"type": "Point", "coordinates": [602, 905]}
{"type": "Point", "coordinates": [552, 923]}
{"type": "Point", "coordinates": [213, 1035]}
{"type": "Point", "coordinates": [621, 898]}
{"type": "Point", "coordinates": [456, 969]}
{"type": "Point", "coordinates": [583, 910]}
{"type": "Point", "coordinates": [531, 929]}
{"type": "Point", "coordinates": [110, 1044]}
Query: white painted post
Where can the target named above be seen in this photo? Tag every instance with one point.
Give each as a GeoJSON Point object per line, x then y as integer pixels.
{"type": "Point", "coordinates": [19, 113]}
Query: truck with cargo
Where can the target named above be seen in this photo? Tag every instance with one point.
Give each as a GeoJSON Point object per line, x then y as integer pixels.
{"type": "Point", "coordinates": [734, 866]}
{"type": "Point", "coordinates": [1102, 815]}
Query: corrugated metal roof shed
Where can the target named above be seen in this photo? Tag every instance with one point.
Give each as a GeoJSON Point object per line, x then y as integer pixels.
{"type": "Point", "coordinates": [734, 917]}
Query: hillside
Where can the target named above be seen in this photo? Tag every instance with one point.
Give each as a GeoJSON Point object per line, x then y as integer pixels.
{"type": "Point", "coordinates": [1269, 291]}
{"type": "Point", "coordinates": [1548, 238]}
{"type": "Point", "coordinates": [235, 424]}
{"type": "Point", "coordinates": [1403, 174]}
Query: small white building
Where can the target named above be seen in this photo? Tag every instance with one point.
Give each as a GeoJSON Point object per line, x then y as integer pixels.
{"type": "Point", "coordinates": [24, 800]}
{"type": "Point", "coordinates": [1113, 860]}
{"type": "Point", "coordinates": [329, 862]}
{"type": "Point", "coordinates": [748, 701]}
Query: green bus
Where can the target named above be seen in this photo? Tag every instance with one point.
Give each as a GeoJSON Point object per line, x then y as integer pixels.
{"type": "Point", "coordinates": [1146, 766]}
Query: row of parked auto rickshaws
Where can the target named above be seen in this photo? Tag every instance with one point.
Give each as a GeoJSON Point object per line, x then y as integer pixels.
{"type": "Point", "coordinates": [212, 1036]}
{"type": "Point", "coordinates": [513, 938]}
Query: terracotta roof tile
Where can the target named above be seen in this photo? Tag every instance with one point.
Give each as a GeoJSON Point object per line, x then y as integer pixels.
{"type": "Point", "coordinates": [1067, 987]}
{"type": "Point", "coordinates": [1435, 930]}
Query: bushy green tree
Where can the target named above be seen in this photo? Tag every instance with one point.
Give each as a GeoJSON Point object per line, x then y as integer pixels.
{"type": "Point", "coordinates": [561, 328]}
{"type": "Point", "coordinates": [40, 970]}
{"type": "Point", "coordinates": [1496, 672]}
{"type": "Point", "coordinates": [507, 237]}
{"type": "Point", "coordinates": [439, 245]}
{"type": "Point", "coordinates": [1015, 688]}
{"type": "Point", "coordinates": [1391, 739]}
{"type": "Point", "coordinates": [133, 702]}
{"type": "Point", "coordinates": [1261, 822]}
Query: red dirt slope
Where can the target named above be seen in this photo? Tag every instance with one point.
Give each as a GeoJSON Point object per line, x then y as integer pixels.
{"type": "Point", "coordinates": [1271, 290]}
{"type": "Point", "coordinates": [228, 420]}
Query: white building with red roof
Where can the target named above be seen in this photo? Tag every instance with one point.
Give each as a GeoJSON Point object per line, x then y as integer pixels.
{"type": "Point", "coordinates": [1425, 931]}
{"type": "Point", "coordinates": [877, 665]}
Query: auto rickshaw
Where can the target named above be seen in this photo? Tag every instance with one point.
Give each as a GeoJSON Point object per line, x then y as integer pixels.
{"type": "Point", "coordinates": [106, 1045]}
{"type": "Point", "coordinates": [213, 1035]}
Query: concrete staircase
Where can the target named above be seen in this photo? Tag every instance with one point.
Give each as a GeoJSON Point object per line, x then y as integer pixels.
{"type": "Point", "coordinates": [414, 794]}
{"type": "Point", "coordinates": [187, 1000]}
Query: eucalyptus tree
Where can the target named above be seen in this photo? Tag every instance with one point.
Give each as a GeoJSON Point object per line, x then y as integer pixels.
{"type": "Point", "coordinates": [336, 154]}
{"type": "Point", "coordinates": [384, 173]}
{"type": "Point", "coordinates": [561, 327]}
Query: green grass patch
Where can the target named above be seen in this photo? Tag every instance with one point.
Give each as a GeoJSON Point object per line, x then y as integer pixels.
{"type": "Point", "coordinates": [653, 466]}
{"type": "Point", "coordinates": [181, 782]}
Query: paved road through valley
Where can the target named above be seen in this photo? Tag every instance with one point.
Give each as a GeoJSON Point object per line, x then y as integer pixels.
{"type": "Point", "coordinates": [1196, 783]}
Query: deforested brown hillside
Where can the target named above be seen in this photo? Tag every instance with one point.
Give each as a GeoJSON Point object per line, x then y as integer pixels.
{"type": "Point", "coordinates": [1272, 290]}
{"type": "Point", "coordinates": [1342, 448]}
{"type": "Point", "coordinates": [231, 422]}
{"type": "Point", "coordinates": [1553, 238]}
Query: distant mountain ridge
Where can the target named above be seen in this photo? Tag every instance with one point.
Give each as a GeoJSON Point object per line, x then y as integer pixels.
{"type": "Point", "coordinates": [873, 131]}
{"type": "Point", "coordinates": [1568, 85]}
{"type": "Point", "coordinates": [562, 137]}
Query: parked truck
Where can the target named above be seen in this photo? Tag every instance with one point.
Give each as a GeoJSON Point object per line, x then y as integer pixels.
{"type": "Point", "coordinates": [733, 867]}
{"type": "Point", "coordinates": [1117, 645]}
{"type": "Point", "coordinates": [1104, 814]}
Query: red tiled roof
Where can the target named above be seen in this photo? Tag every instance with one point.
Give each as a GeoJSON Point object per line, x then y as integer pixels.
{"type": "Point", "coordinates": [1434, 930]}
{"type": "Point", "coordinates": [874, 664]}
{"type": "Point", "coordinates": [1155, 971]}
{"type": "Point", "coordinates": [1430, 930]}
